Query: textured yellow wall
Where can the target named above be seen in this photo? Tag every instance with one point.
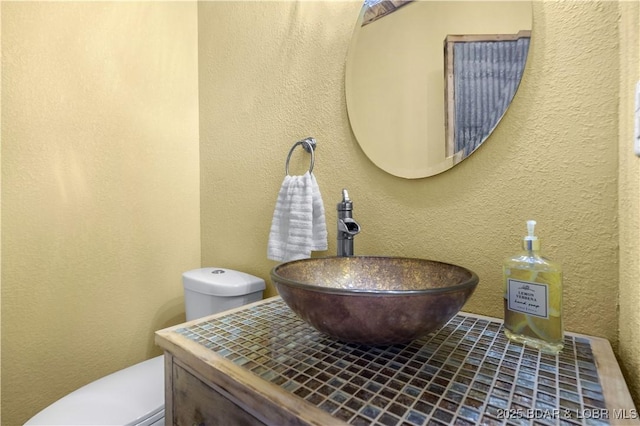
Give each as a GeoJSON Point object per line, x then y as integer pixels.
{"type": "Point", "coordinates": [100, 196]}
{"type": "Point", "coordinates": [0, 222]}
{"type": "Point", "coordinates": [100, 171]}
{"type": "Point", "coordinates": [629, 204]}
{"type": "Point", "coordinates": [272, 72]}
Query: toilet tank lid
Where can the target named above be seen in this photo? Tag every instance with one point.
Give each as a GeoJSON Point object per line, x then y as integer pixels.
{"type": "Point", "coordinates": [221, 282]}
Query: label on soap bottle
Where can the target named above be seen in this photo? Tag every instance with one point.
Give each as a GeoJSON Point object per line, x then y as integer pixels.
{"type": "Point", "coordinates": [528, 298]}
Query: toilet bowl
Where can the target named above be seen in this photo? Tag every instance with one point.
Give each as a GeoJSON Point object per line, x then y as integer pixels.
{"type": "Point", "coordinates": [134, 396]}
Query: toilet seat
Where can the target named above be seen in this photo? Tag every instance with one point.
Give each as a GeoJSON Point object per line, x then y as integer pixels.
{"type": "Point", "coordinates": [133, 396]}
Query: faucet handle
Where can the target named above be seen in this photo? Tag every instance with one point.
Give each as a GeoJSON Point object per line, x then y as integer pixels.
{"type": "Point", "coordinates": [345, 205]}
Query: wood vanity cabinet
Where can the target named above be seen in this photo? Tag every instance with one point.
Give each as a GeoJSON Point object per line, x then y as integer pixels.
{"type": "Point", "coordinates": [195, 402]}
{"type": "Point", "coordinates": [197, 394]}
{"type": "Point", "coordinates": [261, 365]}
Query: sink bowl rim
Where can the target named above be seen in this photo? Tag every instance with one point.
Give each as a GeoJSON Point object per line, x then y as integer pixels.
{"type": "Point", "coordinates": [278, 279]}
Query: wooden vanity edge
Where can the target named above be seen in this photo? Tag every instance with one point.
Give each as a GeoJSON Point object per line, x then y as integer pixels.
{"type": "Point", "coordinates": [264, 400]}
{"type": "Point", "coordinates": [614, 387]}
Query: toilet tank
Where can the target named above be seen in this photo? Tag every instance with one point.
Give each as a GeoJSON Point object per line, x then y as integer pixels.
{"type": "Point", "coordinates": [208, 291]}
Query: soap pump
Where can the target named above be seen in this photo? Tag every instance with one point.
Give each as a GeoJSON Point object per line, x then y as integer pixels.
{"type": "Point", "coordinates": [533, 297]}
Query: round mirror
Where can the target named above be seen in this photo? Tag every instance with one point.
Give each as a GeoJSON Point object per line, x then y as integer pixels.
{"type": "Point", "coordinates": [428, 81]}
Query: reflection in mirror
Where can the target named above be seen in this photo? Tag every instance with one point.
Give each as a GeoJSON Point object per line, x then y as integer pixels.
{"type": "Point", "coordinates": [428, 81]}
{"type": "Point", "coordinates": [483, 72]}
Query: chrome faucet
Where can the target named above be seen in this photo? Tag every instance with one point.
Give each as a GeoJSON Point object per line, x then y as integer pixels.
{"type": "Point", "coordinates": [347, 227]}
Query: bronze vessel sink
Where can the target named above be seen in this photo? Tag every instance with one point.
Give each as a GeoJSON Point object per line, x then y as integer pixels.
{"type": "Point", "coordinates": [374, 300]}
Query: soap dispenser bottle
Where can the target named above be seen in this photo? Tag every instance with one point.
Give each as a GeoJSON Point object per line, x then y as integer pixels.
{"type": "Point", "coordinates": [533, 297]}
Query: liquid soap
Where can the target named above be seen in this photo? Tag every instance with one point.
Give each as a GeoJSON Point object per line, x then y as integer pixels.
{"type": "Point", "coordinates": [533, 297]}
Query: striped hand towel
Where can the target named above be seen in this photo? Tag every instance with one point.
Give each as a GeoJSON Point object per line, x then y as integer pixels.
{"type": "Point", "coordinates": [298, 226]}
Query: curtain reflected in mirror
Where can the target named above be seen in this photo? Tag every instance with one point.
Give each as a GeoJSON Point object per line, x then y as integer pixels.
{"type": "Point", "coordinates": [376, 9]}
{"type": "Point", "coordinates": [408, 94]}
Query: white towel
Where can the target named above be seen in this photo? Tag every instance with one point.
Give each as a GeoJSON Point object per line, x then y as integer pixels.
{"type": "Point", "coordinates": [298, 225]}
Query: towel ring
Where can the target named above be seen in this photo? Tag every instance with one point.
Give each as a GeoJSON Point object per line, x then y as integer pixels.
{"type": "Point", "coordinates": [309, 145]}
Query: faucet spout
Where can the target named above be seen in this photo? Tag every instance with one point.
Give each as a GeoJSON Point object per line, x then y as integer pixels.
{"type": "Point", "coordinates": [347, 226]}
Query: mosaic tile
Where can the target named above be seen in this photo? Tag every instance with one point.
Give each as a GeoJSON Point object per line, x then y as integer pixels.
{"type": "Point", "coordinates": [465, 373]}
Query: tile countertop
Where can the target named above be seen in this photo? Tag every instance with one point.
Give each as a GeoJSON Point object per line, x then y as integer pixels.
{"type": "Point", "coordinates": [466, 373]}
